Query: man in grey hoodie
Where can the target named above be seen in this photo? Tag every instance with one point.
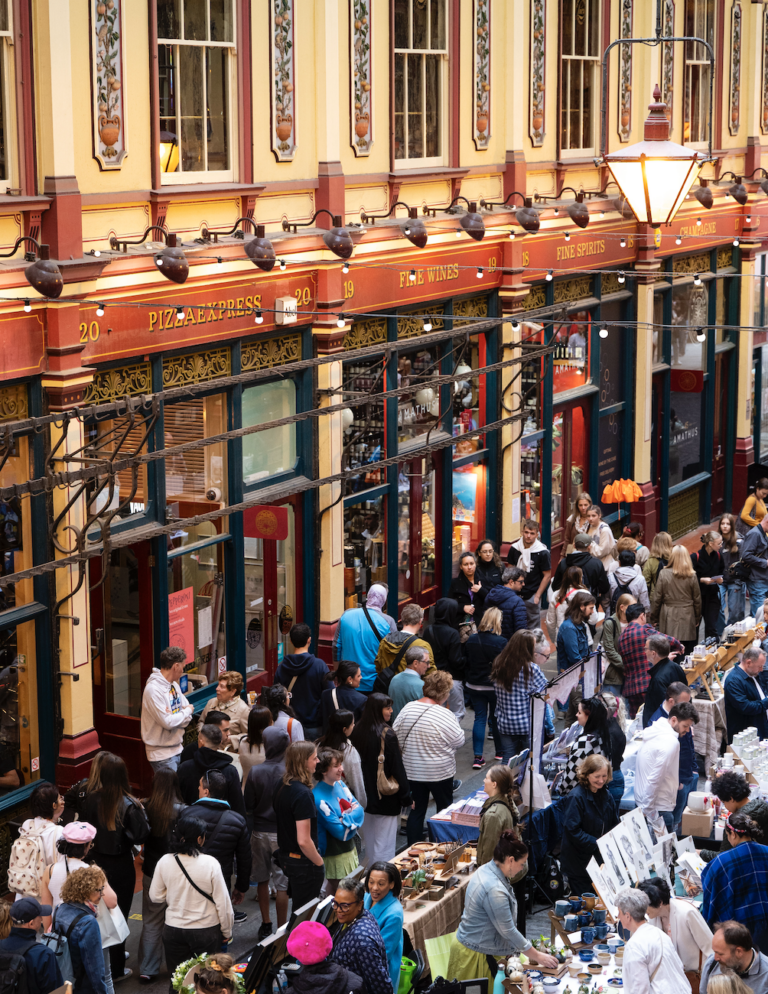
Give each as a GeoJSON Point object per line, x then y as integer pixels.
{"type": "Point", "coordinates": [259, 787]}
{"type": "Point", "coordinates": [165, 711]}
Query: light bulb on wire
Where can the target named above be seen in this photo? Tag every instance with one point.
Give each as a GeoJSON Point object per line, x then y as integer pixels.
{"type": "Point", "coordinates": [479, 272]}
{"type": "Point", "coordinates": [567, 236]}
{"type": "Point", "coordinates": [345, 268]}
{"type": "Point", "coordinates": [427, 325]}
{"type": "Point", "coordinates": [100, 311]}
{"type": "Point", "coordinates": [697, 280]}
{"type": "Point", "coordinates": [603, 333]}
{"type": "Point", "coordinates": [341, 323]}
{"type": "Point", "coordinates": [549, 276]}
{"type": "Point", "coordinates": [27, 306]}
{"type": "Point", "coordinates": [622, 277]}
{"type": "Point", "coordinates": [623, 242]}
{"type": "Point", "coordinates": [412, 276]}
{"type": "Point", "coordinates": [678, 240]}
{"type": "Point", "coordinates": [701, 335]}
{"type": "Point", "coordinates": [258, 317]}
{"type": "Point", "coordinates": [179, 313]}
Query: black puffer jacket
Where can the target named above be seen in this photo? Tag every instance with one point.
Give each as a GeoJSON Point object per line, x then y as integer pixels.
{"type": "Point", "coordinates": [443, 636]}
{"type": "Point", "coordinates": [226, 838]}
{"type": "Point", "coordinates": [206, 759]}
{"type": "Point", "coordinates": [131, 826]}
{"type": "Point", "coordinates": [481, 650]}
{"type": "Point", "coordinates": [326, 978]}
{"type": "Point", "coordinates": [158, 845]}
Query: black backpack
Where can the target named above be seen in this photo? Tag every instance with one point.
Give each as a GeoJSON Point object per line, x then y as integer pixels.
{"type": "Point", "coordinates": [383, 679]}
{"type": "Point", "coordinates": [13, 972]}
{"type": "Point", "coordinates": [618, 590]}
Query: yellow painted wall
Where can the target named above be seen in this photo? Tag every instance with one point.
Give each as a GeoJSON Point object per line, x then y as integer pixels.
{"type": "Point", "coordinates": [135, 173]}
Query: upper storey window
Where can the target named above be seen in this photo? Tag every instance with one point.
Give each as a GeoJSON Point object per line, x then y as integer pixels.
{"type": "Point", "coordinates": [580, 74]}
{"type": "Point", "coordinates": [421, 53]}
{"type": "Point", "coordinates": [699, 23]}
{"type": "Point", "coordinates": [196, 53]}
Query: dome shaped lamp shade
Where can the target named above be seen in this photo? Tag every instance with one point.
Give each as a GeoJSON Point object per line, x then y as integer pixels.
{"type": "Point", "coordinates": [260, 250]}
{"type": "Point", "coordinates": [579, 212]}
{"type": "Point", "coordinates": [473, 223]}
{"type": "Point", "coordinates": [655, 175]}
{"type": "Point", "coordinates": [528, 217]}
{"type": "Point", "coordinates": [704, 195]}
{"type": "Point", "coordinates": [44, 275]}
{"type": "Point", "coordinates": [338, 239]}
{"type": "Point", "coordinates": [172, 261]}
{"type": "Point", "coordinates": [414, 228]}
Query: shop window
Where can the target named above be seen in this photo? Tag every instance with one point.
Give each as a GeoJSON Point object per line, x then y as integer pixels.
{"type": "Point", "coordinates": [569, 464]}
{"type": "Point", "coordinates": [530, 479]}
{"type": "Point", "coordinates": [420, 65]}
{"type": "Point", "coordinates": [16, 528]}
{"type": "Point", "coordinates": [611, 357]}
{"type": "Point", "coordinates": [469, 394]}
{"type": "Point", "coordinates": [572, 347]}
{"type": "Point", "coordinates": [685, 420]}
{"type": "Point", "coordinates": [404, 579]}
{"type": "Point", "coordinates": [609, 454]}
{"type": "Point", "coordinates": [120, 439]}
{"type": "Point", "coordinates": [267, 453]}
{"type": "Point", "coordinates": [364, 443]}
{"type": "Point", "coordinates": [365, 548]}
{"type": "Point", "coordinates": [690, 306]}
{"type": "Point", "coordinates": [579, 68]}
{"type": "Point", "coordinates": [19, 742]}
{"type": "Point", "coordinates": [122, 635]}
{"type": "Point", "coordinates": [470, 483]}
{"type": "Point", "coordinates": [270, 598]}
{"type": "Point", "coordinates": [196, 50]}
{"type": "Point", "coordinates": [764, 405]}
{"type": "Point", "coordinates": [6, 62]}
{"type": "Point", "coordinates": [658, 328]}
{"type": "Point", "coordinates": [699, 23]}
{"type": "Point", "coordinates": [199, 614]}
{"type": "Point", "coordinates": [197, 474]}
{"type": "Point", "coordinates": [530, 378]}
{"type": "Point", "coordinates": [418, 411]}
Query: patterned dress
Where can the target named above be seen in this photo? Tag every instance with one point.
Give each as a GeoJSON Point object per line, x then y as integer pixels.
{"type": "Point", "coordinates": [360, 948]}
{"type": "Point", "coordinates": [584, 746]}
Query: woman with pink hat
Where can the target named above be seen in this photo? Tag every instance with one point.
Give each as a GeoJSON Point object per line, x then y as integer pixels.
{"type": "Point", "coordinates": [310, 943]}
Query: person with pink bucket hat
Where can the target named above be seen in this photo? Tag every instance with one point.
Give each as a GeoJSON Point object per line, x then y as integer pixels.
{"type": "Point", "coordinates": [310, 944]}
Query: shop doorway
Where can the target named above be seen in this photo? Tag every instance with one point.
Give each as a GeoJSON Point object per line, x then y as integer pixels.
{"type": "Point", "coordinates": [418, 548]}
{"type": "Point", "coordinates": [720, 443]}
{"type": "Point", "coordinates": [272, 599]}
{"type": "Point", "coordinates": [570, 469]}
{"type": "Point", "coordinates": [122, 651]}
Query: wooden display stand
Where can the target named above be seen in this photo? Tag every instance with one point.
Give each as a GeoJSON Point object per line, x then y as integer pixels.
{"type": "Point", "coordinates": [723, 658]}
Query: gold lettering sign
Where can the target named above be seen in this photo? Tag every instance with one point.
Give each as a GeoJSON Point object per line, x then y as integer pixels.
{"type": "Point", "coordinates": [580, 249]}
{"type": "Point", "coordinates": [167, 317]}
{"type": "Point", "coordinates": [432, 274]}
{"type": "Point", "coordinates": [697, 230]}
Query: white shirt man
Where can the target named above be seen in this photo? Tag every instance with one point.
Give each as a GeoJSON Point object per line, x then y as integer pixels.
{"type": "Point", "coordinates": [658, 762]}
{"type": "Point", "coordinates": [165, 711]}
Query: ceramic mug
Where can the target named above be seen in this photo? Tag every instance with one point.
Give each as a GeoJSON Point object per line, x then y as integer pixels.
{"type": "Point", "coordinates": [598, 916]}
{"type": "Point", "coordinates": [562, 908]}
{"type": "Point", "coordinates": [588, 935]}
{"type": "Point", "coordinates": [601, 931]}
{"type": "Point", "coordinates": [590, 900]}
{"type": "Point", "coordinates": [571, 923]}
{"type": "Point", "coordinates": [575, 903]}
{"type": "Point", "coordinates": [584, 919]}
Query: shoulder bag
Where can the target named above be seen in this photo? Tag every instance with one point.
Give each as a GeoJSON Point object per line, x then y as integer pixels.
{"type": "Point", "coordinates": [374, 629]}
{"type": "Point", "coordinates": [192, 882]}
{"type": "Point", "coordinates": [385, 785]}
{"type": "Point", "coordinates": [383, 679]}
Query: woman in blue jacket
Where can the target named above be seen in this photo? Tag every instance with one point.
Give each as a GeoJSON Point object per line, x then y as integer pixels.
{"type": "Point", "coordinates": [339, 816]}
{"type": "Point", "coordinates": [382, 885]}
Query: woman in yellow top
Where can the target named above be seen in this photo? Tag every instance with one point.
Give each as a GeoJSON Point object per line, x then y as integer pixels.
{"type": "Point", "coordinates": [754, 509]}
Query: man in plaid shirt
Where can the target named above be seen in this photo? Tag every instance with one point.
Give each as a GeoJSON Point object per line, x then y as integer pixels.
{"type": "Point", "coordinates": [632, 649]}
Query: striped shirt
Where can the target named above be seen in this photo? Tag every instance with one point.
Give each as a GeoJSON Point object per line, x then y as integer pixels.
{"type": "Point", "coordinates": [429, 736]}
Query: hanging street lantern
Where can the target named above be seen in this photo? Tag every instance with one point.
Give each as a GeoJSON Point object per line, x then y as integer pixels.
{"type": "Point", "coordinates": [655, 175]}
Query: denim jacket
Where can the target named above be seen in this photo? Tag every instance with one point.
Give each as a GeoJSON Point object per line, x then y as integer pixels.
{"type": "Point", "coordinates": [84, 947]}
{"type": "Point", "coordinates": [488, 924]}
{"type": "Point", "coordinates": [572, 644]}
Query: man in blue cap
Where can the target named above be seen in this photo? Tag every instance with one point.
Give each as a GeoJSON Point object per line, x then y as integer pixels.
{"type": "Point", "coordinates": [43, 974]}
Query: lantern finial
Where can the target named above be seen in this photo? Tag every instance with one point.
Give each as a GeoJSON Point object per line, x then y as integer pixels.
{"type": "Point", "coordinates": [656, 124]}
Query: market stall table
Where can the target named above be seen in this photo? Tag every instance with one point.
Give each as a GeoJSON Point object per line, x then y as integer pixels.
{"type": "Point", "coordinates": [436, 918]}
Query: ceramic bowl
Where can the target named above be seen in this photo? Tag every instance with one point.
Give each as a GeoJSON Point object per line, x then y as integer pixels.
{"type": "Point", "coordinates": [575, 969]}
{"type": "Point", "coordinates": [551, 983]}
{"type": "Point", "coordinates": [584, 977]}
{"type": "Point", "coordinates": [586, 955]}
{"type": "Point", "coordinates": [604, 958]}
{"type": "Point", "coordinates": [595, 968]}
{"type": "Point", "coordinates": [616, 982]}
{"type": "Point", "coordinates": [535, 975]}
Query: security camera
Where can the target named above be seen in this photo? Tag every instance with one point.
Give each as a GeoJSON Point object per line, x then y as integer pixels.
{"type": "Point", "coordinates": [213, 494]}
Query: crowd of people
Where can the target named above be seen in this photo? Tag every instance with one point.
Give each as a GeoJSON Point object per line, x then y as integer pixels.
{"type": "Point", "coordinates": [293, 792]}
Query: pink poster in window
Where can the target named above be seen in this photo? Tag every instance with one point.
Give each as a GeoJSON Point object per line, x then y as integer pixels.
{"type": "Point", "coordinates": [181, 623]}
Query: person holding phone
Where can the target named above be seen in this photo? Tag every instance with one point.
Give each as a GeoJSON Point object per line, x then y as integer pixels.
{"type": "Point", "coordinates": [709, 567]}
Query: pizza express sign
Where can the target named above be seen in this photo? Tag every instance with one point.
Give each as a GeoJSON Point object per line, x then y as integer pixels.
{"type": "Point", "coordinates": [190, 316]}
